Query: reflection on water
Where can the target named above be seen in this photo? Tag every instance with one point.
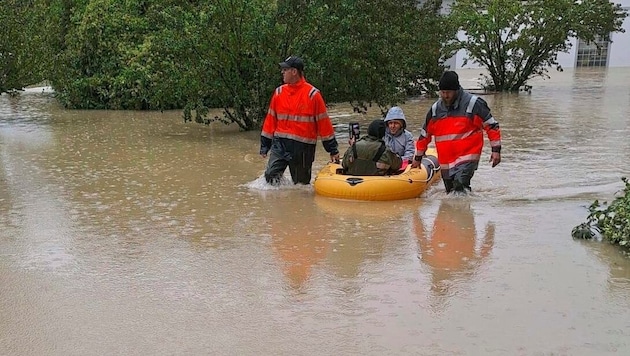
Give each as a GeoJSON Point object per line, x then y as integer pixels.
{"type": "Point", "coordinates": [451, 249]}
{"type": "Point", "coordinates": [300, 246]}
{"type": "Point", "coordinates": [110, 220]}
{"type": "Point", "coordinates": [617, 262]}
{"type": "Point", "coordinates": [334, 235]}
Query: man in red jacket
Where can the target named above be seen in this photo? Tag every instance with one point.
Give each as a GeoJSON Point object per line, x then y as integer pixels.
{"type": "Point", "coordinates": [297, 116]}
{"type": "Point", "coordinates": [457, 121]}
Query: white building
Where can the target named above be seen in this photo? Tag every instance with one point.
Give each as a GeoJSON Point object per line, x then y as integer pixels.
{"type": "Point", "coordinates": [613, 53]}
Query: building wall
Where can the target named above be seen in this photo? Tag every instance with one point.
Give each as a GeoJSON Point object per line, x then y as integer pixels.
{"type": "Point", "coordinates": [618, 56]}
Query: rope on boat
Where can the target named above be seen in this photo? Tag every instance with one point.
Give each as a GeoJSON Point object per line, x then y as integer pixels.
{"type": "Point", "coordinates": [431, 173]}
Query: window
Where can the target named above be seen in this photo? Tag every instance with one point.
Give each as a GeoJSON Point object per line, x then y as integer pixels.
{"type": "Point", "coordinates": [593, 54]}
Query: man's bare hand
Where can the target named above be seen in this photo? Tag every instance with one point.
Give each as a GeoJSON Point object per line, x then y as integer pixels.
{"type": "Point", "coordinates": [495, 158]}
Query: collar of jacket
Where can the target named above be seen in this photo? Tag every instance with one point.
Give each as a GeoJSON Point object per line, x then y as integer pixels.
{"type": "Point", "coordinates": [458, 99]}
{"type": "Point", "coordinates": [292, 88]}
{"type": "Point", "coordinates": [370, 138]}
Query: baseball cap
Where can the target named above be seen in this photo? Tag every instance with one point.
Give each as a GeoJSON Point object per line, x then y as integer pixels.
{"type": "Point", "coordinates": [293, 62]}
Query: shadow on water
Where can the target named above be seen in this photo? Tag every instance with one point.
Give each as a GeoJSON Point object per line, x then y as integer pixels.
{"type": "Point", "coordinates": [450, 248]}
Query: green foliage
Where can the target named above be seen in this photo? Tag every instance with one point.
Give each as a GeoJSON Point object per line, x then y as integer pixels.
{"type": "Point", "coordinates": [198, 55]}
{"type": "Point", "coordinates": [233, 57]}
{"type": "Point", "coordinates": [362, 52]}
{"type": "Point", "coordinates": [22, 56]}
{"type": "Point", "coordinates": [108, 57]}
{"type": "Point", "coordinates": [379, 51]}
{"type": "Point", "coordinates": [518, 40]}
{"type": "Point", "coordinates": [612, 221]}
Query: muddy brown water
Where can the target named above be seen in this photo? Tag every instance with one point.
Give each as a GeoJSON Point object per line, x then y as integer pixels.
{"type": "Point", "coordinates": [132, 233]}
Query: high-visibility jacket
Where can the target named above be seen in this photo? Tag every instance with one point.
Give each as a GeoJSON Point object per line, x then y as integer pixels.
{"type": "Point", "coordinates": [458, 131]}
{"type": "Point", "coordinates": [298, 112]}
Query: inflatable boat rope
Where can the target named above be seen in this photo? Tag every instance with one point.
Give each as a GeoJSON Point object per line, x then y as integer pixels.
{"type": "Point", "coordinates": [434, 164]}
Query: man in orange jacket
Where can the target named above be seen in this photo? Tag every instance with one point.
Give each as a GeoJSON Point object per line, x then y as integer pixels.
{"type": "Point", "coordinates": [297, 115]}
{"type": "Point", "coordinates": [457, 121]}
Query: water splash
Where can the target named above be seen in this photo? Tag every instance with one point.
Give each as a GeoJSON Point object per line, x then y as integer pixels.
{"type": "Point", "coordinates": [285, 183]}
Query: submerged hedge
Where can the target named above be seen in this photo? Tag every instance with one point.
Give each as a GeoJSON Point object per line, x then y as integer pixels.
{"type": "Point", "coordinates": [610, 221]}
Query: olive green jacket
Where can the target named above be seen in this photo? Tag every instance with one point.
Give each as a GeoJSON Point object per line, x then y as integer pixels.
{"type": "Point", "coordinates": [369, 157]}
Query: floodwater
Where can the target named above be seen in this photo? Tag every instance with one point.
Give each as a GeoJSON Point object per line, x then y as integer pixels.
{"type": "Point", "coordinates": [133, 233]}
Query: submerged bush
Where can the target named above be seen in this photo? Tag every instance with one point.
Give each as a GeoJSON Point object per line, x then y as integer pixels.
{"type": "Point", "coordinates": [611, 221]}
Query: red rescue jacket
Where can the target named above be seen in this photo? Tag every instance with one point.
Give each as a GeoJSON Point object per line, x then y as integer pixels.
{"type": "Point", "coordinates": [458, 131]}
{"type": "Point", "coordinates": [298, 112]}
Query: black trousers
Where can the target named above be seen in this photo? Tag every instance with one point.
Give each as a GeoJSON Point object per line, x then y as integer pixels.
{"type": "Point", "coordinates": [298, 156]}
{"type": "Point", "coordinates": [458, 179]}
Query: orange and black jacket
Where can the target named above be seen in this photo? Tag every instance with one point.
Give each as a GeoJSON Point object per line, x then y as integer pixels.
{"type": "Point", "coordinates": [458, 131]}
{"type": "Point", "coordinates": [298, 112]}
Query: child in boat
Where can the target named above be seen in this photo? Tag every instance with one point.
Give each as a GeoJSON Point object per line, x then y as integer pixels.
{"type": "Point", "coordinates": [397, 137]}
{"type": "Point", "coordinates": [369, 156]}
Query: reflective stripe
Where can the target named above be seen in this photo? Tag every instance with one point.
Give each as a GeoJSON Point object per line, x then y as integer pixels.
{"type": "Point", "coordinates": [490, 121]}
{"type": "Point", "coordinates": [455, 136]}
{"type": "Point", "coordinates": [423, 133]}
{"type": "Point", "coordinates": [312, 92]}
{"type": "Point", "coordinates": [296, 137]}
{"type": "Point", "coordinates": [434, 109]}
{"type": "Point", "coordinates": [459, 160]}
{"type": "Point", "coordinates": [471, 104]}
{"type": "Point", "coordinates": [323, 115]}
{"type": "Point", "coordinates": [278, 90]}
{"type": "Point", "coordinates": [295, 118]}
{"type": "Point", "coordinates": [495, 143]}
{"type": "Point", "coordinates": [329, 137]}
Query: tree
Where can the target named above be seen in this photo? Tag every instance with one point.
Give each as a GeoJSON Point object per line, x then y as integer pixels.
{"type": "Point", "coordinates": [198, 55]}
{"type": "Point", "coordinates": [379, 51]}
{"type": "Point", "coordinates": [106, 56]}
{"type": "Point", "coordinates": [22, 45]}
{"type": "Point", "coordinates": [235, 47]}
{"type": "Point", "coordinates": [362, 52]}
{"type": "Point", "coordinates": [517, 40]}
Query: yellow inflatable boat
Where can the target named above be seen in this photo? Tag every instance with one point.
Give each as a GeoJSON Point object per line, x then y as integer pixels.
{"type": "Point", "coordinates": [330, 182]}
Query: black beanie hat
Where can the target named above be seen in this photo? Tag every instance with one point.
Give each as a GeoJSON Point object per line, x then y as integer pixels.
{"type": "Point", "coordinates": [449, 81]}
